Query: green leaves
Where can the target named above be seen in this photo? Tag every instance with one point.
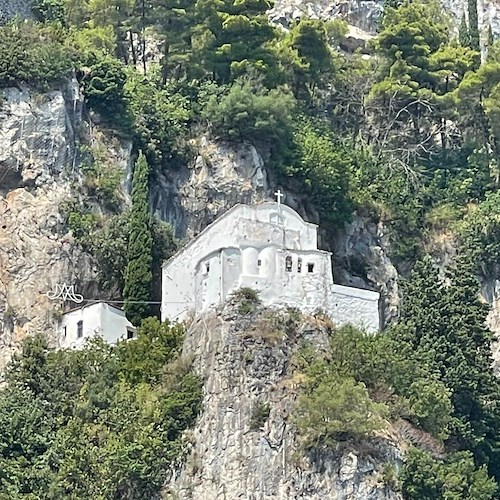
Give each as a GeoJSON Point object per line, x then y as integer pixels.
{"type": "Point", "coordinates": [138, 273]}
{"type": "Point", "coordinates": [455, 478]}
{"type": "Point", "coordinates": [248, 111]}
{"type": "Point", "coordinates": [79, 424]}
{"type": "Point", "coordinates": [335, 409]}
{"type": "Point", "coordinates": [32, 54]}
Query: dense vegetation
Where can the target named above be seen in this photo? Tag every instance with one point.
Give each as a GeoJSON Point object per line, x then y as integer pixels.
{"type": "Point", "coordinates": [432, 369]}
{"type": "Point", "coordinates": [104, 422]}
{"type": "Point", "coordinates": [407, 132]}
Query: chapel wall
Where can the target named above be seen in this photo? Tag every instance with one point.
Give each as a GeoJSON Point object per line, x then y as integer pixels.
{"type": "Point", "coordinates": [355, 306]}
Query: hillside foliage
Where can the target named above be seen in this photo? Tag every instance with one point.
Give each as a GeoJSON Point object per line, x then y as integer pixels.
{"type": "Point", "coordinates": [405, 131]}
{"type": "Point", "coordinates": [103, 422]}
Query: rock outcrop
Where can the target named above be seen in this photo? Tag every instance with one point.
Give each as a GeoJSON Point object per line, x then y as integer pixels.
{"type": "Point", "coordinates": [9, 9]}
{"type": "Point", "coordinates": [365, 14]}
{"type": "Point", "coordinates": [219, 177]}
{"type": "Point", "coordinates": [241, 452]}
{"type": "Point", "coordinates": [39, 175]}
{"type": "Point", "coordinates": [37, 148]}
{"type": "Point", "coordinates": [360, 258]}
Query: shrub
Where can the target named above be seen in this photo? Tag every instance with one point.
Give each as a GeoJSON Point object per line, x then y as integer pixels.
{"type": "Point", "coordinates": [103, 179]}
{"type": "Point", "coordinates": [104, 88]}
{"type": "Point", "coordinates": [318, 166]}
{"type": "Point", "coordinates": [260, 413]}
{"type": "Point", "coordinates": [334, 410]}
{"type": "Point", "coordinates": [246, 110]}
{"type": "Point", "coordinates": [31, 53]}
{"type": "Point", "coordinates": [160, 117]}
{"type": "Point", "coordinates": [247, 299]}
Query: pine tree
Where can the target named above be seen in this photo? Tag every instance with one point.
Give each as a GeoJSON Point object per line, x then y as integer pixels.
{"type": "Point", "coordinates": [473, 25]}
{"type": "Point", "coordinates": [138, 275]}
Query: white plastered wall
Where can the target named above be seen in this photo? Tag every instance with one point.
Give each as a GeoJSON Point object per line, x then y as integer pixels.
{"type": "Point", "coordinates": [97, 319]}
{"type": "Point", "coordinates": [248, 247]}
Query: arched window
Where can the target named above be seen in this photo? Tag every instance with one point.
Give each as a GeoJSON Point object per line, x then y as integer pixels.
{"type": "Point", "coordinates": [299, 265]}
{"type": "Point", "coordinates": [288, 264]}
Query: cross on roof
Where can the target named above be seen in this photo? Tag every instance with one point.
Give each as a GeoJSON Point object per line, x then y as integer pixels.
{"type": "Point", "coordinates": [279, 195]}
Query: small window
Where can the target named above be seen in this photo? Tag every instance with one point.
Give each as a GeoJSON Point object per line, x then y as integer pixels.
{"type": "Point", "coordinates": [207, 267]}
{"type": "Point", "coordinates": [130, 334]}
{"type": "Point", "coordinates": [310, 267]}
{"type": "Point", "coordinates": [299, 265]}
{"type": "Point", "coordinates": [259, 262]}
{"type": "Point", "coordinates": [79, 329]}
{"type": "Point", "coordinates": [65, 331]}
{"type": "Point", "coordinates": [288, 264]}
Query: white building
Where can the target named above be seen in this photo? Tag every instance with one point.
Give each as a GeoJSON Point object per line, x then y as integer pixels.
{"type": "Point", "coordinates": [99, 318]}
{"type": "Point", "coordinates": [267, 247]}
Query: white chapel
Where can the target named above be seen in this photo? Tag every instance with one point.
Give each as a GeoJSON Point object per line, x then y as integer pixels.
{"type": "Point", "coordinates": [267, 247]}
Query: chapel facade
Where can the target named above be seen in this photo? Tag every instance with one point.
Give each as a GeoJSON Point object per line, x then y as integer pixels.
{"type": "Point", "coordinates": [267, 247]}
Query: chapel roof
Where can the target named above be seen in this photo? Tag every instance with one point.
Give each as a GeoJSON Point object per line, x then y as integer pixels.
{"type": "Point", "coordinates": [232, 210]}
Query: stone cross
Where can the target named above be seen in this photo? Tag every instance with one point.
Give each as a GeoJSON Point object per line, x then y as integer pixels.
{"type": "Point", "coordinates": [279, 195]}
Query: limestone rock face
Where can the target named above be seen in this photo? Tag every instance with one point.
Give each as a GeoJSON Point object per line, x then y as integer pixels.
{"type": "Point", "coordinates": [360, 255]}
{"type": "Point", "coordinates": [10, 9]}
{"type": "Point", "coordinates": [365, 14]}
{"type": "Point", "coordinates": [245, 363]}
{"type": "Point", "coordinates": [219, 177]}
{"type": "Point", "coordinates": [36, 161]}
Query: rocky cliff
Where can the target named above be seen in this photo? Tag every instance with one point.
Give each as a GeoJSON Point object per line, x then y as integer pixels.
{"type": "Point", "coordinates": [39, 175]}
{"type": "Point", "coordinates": [36, 152]}
{"type": "Point", "coordinates": [363, 15]}
{"type": "Point", "coordinates": [240, 452]}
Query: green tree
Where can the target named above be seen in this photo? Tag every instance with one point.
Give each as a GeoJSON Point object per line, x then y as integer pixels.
{"type": "Point", "coordinates": [138, 273]}
{"type": "Point", "coordinates": [231, 38]}
{"type": "Point", "coordinates": [333, 409]}
{"type": "Point", "coordinates": [463, 32]}
{"type": "Point", "coordinates": [248, 111]}
{"type": "Point", "coordinates": [473, 24]}
{"type": "Point", "coordinates": [160, 115]}
{"type": "Point", "coordinates": [80, 424]}
{"type": "Point", "coordinates": [104, 88]}
{"type": "Point", "coordinates": [456, 478]}
{"type": "Point", "coordinates": [443, 328]}
{"type": "Point", "coordinates": [144, 359]}
{"type": "Point", "coordinates": [320, 166]}
{"type": "Point", "coordinates": [313, 63]}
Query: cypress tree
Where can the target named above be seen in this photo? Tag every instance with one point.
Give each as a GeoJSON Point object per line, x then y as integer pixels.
{"type": "Point", "coordinates": [491, 37]}
{"type": "Point", "coordinates": [138, 275]}
{"type": "Point", "coordinates": [463, 33]}
{"type": "Point", "coordinates": [468, 372]}
{"type": "Point", "coordinates": [443, 329]}
{"type": "Point", "coordinates": [473, 25]}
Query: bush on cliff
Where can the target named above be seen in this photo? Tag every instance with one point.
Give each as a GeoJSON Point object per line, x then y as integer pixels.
{"type": "Point", "coordinates": [104, 422]}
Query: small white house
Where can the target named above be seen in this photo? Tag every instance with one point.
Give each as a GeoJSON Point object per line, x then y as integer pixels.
{"type": "Point", "coordinates": [267, 247]}
{"type": "Point", "coordinates": [99, 318]}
